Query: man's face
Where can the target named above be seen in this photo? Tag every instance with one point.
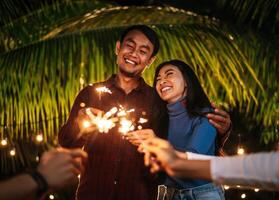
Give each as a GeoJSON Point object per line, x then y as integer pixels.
{"type": "Point", "coordinates": [134, 54]}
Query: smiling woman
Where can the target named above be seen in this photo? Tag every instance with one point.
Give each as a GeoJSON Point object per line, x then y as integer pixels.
{"type": "Point", "coordinates": [170, 84]}
{"type": "Point", "coordinates": [188, 128]}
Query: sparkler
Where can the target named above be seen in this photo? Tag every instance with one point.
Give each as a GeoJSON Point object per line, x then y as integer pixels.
{"type": "Point", "coordinates": [103, 89]}
{"type": "Point", "coordinates": [103, 123]}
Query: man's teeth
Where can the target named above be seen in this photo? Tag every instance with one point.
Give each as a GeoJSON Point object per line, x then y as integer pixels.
{"type": "Point", "coordinates": [165, 89]}
{"type": "Point", "coordinates": [131, 62]}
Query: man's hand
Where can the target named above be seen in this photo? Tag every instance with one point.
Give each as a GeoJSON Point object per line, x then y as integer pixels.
{"type": "Point", "coordinates": [84, 120]}
{"type": "Point", "coordinates": [220, 119]}
{"type": "Point", "coordinates": [61, 167]}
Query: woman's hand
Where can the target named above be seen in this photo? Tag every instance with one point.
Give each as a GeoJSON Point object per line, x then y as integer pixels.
{"type": "Point", "coordinates": [159, 154]}
{"type": "Point", "coordinates": [139, 136]}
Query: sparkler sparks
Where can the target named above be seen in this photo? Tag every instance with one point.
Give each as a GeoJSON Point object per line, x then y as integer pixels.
{"type": "Point", "coordinates": [103, 89]}
{"type": "Point", "coordinates": [126, 126]}
{"type": "Point", "coordinates": [103, 123]}
{"type": "Point", "coordinates": [108, 120]}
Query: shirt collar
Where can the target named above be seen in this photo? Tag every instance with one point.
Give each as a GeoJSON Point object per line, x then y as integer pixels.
{"type": "Point", "coordinates": [111, 82]}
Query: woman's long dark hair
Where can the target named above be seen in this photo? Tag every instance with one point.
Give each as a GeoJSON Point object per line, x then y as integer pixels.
{"type": "Point", "coordinates": [196, 99]}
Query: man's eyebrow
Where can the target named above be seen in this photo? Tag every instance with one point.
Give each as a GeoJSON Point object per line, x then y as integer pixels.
{"type": "Point", "coordinates": [130, 40]}
{"type": "Point", "coordinates": [142, 46]}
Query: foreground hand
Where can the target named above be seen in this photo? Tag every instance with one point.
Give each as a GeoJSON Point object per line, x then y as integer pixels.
{"type": "Point", "coordinates": [60, 167]}
{"type": "Point", "coordinates": [220, 119]}
{"type": "Point", "coordinates": [139, 136]}
{"type": "Point", "coordinates": [160, 154]}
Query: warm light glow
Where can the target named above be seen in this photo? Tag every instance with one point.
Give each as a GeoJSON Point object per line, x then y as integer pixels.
{"type": "Point", "coordinates": [4, 142]}
{"type": "Point", "coordinates": [12, 152]}
{"type": "Point", "coordinates": [240, 151]}
{"type": "Point", "coordinates": [86, 124]}
{"type": "Point", "coordinates": [39, 138]}
{"type": "Point", "coordinates": [37, 158]}
{"type": "Point", "coordinates": [238, 186]}
{"type": "Point", "coordinates": [104, 125]}
{"type": "Point", "coordinates": [51, 196]}
{"type": "Point", "coordinates": [243, 196]}
{"type": "Point", "coordinates": [103, 90]}
{"type": "Point", "coordinates": [107, 121]}
{"type": "Point", "coordinates": [256, 189]}
{"type": "Point", "coordinates": [226, 187]}
{"type": "Point", "coordinates": [142, 120]}
{"type": "Point", "coordinates": [110, 112]}
{"type": "Point", "coordinates": [125, 126]}
{"type": "Point", "coordinates": [81, 81]}
{"type": "Point", "coordinates": [79, 176]}
{"type": "Point", "coordinates": [82, 104]}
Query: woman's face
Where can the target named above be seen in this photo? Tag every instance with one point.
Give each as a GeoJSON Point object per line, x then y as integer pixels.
{"type": "Point", "coordinates": [170, 84]}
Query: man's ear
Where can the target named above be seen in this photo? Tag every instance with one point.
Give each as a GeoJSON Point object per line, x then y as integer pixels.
{"type": "Point", "coordinates": [151, 60]}
{"type": "Point", "coordinates": [117, 47]}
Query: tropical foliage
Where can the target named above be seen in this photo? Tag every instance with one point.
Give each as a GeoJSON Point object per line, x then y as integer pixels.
{"type": "Point", "coordinates": [49, 54]}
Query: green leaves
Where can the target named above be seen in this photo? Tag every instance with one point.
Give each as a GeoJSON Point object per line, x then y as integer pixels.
{"type": "Point", "coordinates": [46, 54]}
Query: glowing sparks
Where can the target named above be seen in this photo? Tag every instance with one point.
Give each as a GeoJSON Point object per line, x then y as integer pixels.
{"type": "Point", "coordinates": [126, 126]}
{"type": "Point", "coordinates": [105, 122]}
{"type": "Point", "coordinates": [103, 90]}
{"type": "Point", "coordinates": [86, 124]}
{"type": "Point", "coordinates": [102, 123]}
{"type": "Point", "coordinates": [142, 120]}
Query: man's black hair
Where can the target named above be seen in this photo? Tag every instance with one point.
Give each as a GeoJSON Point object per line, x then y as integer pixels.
{"type": "Point", "coordinates": [148, 32]}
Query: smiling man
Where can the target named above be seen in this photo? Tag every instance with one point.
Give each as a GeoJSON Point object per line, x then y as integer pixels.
{"type": "Point", "coordinates": [115, 170]}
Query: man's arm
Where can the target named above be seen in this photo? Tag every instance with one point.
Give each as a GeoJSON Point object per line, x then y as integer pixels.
{"type": "Point", "coordinates": [221, 120]}
{"type": "Point", "coordinates": [68, 134]}
{"type": "Point", "coordinates": [24, 185]}
{"type": "Point", "coordinates": [58, 168]}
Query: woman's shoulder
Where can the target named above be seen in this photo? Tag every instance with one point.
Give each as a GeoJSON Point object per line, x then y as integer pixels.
{"type": "Point", "coordinates": [202, 122]}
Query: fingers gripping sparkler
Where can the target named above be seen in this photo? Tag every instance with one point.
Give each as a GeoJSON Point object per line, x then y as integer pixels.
{"type": "Point", "coordinates": [93, 120]}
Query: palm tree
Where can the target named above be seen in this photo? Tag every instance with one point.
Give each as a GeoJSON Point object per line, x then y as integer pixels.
{"type": "Point", "coordinates": [50, 50]}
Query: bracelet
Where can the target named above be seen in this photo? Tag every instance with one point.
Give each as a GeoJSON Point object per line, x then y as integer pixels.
{"type": "Point", "coordinates": [41, 182]}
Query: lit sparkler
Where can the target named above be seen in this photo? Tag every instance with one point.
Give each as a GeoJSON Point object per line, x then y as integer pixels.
{"type": "Point", "coordinates": [103, 89]}
{"type": "Point", "coordinates": [103, 123]}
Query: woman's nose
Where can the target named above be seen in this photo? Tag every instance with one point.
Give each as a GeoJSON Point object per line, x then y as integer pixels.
{"type": "Point", "coordinates": [163, 81]}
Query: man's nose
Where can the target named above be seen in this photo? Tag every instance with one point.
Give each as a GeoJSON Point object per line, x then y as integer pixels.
{"type": "Point", "coordinates": [134, 52]}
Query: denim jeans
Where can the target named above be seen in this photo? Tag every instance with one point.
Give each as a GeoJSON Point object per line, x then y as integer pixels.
{"type": "Point", "coordinates": [204, 192]}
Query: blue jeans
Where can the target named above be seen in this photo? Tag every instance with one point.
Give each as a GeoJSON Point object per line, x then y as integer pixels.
{"type": "Point", "coordinates": [204, 192]}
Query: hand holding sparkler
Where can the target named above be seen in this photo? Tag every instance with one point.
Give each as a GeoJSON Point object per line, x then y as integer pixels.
{"type": "Point", "coordinates": [84, 120]}
{"type": "Point", "coordinates": [91, 119]}
{"type": "Point", "coordinates": [159, 154]}
{"type": "Point", "coordinates": [139, 136]}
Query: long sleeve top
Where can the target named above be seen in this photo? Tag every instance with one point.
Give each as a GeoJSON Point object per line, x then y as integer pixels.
{"type": "Point", "coordinates": [189, 133]}
{"type": "Point", "coordinates": [115, 170]}
{"type": "Point", "coordinates": [258, 170]}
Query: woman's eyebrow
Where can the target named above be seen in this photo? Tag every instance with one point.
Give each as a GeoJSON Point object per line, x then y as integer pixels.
{"type": "Point", "coordinates": [168, 70]}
